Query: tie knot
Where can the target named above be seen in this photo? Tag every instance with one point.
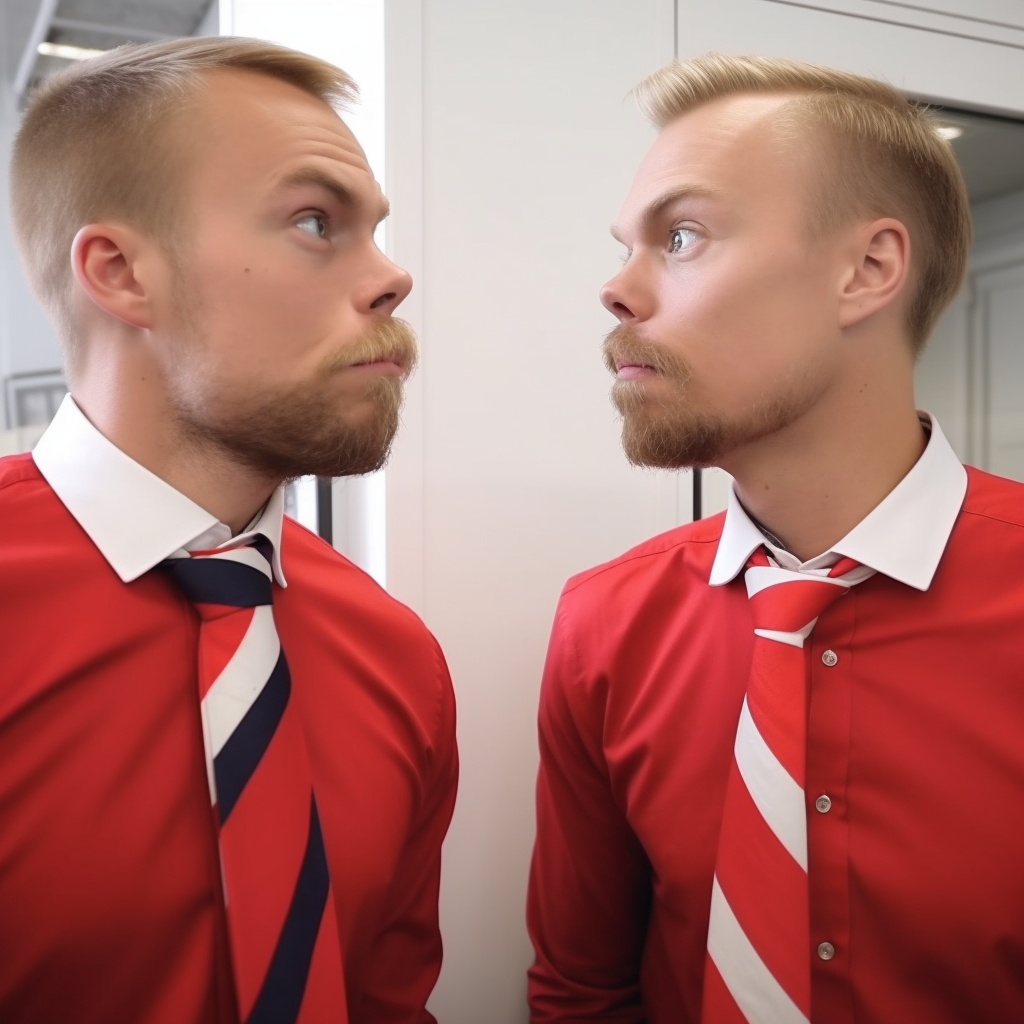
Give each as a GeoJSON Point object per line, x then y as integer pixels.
{"type": "Point", "coordinates": [786, 601]}
{"type": "Point", "coordinates": [224, 578]}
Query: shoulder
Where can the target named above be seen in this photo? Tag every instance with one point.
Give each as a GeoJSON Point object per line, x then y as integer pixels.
{"type": "Point", "coordinates": [626, 601]}
{"type": "Point", "coordinates": [994, 498]}
{"type": "Point", "coordinates": [18, 469]}
{"type": "Point", "coordinates": [28, 505]}
{"type": "Point", "coordinates": [315, 564]}
{"type": "Point", "coordinates": [384, 664]}
{"type": "Point", "coordinates": [691, 547]}
{"type": "Point", "coordinates": [330, 588]}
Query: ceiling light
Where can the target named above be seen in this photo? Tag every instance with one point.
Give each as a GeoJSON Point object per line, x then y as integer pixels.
{"type": "Point", "coordinates": [949, 132]}
{"type": "Point", "coordinates": [67, 51]}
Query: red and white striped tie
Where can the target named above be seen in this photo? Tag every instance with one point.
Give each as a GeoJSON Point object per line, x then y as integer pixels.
{"type": "Point", "coordinates": [281, 923]}
{"type": "Point", "coordinates": [758, 968]}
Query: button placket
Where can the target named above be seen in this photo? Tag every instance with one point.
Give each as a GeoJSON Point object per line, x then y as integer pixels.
{"type": "Point", "coordinates": [830, 672]}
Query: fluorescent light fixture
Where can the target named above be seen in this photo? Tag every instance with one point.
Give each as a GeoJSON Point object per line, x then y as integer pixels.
{"type": "Point", "coordinates": [67, 51]}
{"type": "Point", "coordinates": [949, 131]}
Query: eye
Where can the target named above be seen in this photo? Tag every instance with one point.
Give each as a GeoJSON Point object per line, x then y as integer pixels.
{"type": "Point", "coordinates": [626, 256]}
{"type": "Point", "coordinates": [314, 224]}
{"type": "Point", "coordinates": [680, 238]}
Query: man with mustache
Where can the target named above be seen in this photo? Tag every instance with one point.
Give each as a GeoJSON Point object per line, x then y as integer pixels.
{"type": "Point", "coordinates": [818, 820]}
{"type": "Point", "coordinates": [227, 756]}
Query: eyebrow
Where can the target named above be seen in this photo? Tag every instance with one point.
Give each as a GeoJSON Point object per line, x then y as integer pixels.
{"type": "Point", "coordinates": [656, 207]}
{"type": "Point", "coordinates": [342, 193]}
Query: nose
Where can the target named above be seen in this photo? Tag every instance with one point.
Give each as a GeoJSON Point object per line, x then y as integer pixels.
{"type": "Point", "coordinates": [614, 305]}
{"type": "Point", "coordinates": [388, 287]}
{"type": "Point", "coordinates": [625, 298]}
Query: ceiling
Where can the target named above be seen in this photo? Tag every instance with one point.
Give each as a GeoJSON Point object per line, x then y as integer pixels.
{"type": "Point", "coordinates": [91, 24]}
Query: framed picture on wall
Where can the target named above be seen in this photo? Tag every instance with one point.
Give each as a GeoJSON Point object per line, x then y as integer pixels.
{"type": "Point", "coordinates": [31, 399]}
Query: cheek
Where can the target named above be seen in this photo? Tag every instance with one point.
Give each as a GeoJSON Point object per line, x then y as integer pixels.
{"type": "Point", "coordinates": [748, 322]}
{"type": "Point", "coordinates": [262, 311]}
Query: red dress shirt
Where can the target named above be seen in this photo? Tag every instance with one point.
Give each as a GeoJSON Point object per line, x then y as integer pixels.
{"type": "Point", "coordinates": [111, 909]}
{"type": "Point", "coordinates": [915, 736]}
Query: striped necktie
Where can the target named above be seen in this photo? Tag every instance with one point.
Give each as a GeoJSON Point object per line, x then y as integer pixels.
{"type": "Point", "coordinates": [281, 925]}
{"type": "Point", "coordinates": [758, 967]}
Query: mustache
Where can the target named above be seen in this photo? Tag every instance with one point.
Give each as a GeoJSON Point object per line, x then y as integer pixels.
{"type": "Point", "coordinates": [624, 345]}
{"type": "Point", "coordinates": [393, 341]}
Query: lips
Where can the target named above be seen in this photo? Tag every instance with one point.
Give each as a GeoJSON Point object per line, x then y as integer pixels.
{"type": "Point", "coordinates": [630, 371]}
{"type": "Point", "coordinates": [388, 360]}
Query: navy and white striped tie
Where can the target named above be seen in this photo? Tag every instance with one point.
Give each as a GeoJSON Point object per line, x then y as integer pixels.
{"type": "Point", "coordinates": [282, 927]}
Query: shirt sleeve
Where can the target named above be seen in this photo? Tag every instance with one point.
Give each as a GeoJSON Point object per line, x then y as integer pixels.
{"type": "Point", "coordinates": [405, 958]}
{"type": "Point", "coordinates": [589, 891]}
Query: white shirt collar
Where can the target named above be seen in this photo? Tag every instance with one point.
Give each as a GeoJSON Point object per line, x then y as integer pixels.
{"type": "Point", "coordinates": [133, 517]}
{"type": "Point", "coordinates": [902, 538]}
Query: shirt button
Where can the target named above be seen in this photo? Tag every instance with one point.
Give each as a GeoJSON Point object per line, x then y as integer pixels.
{"type": "Point", "coordinates": [823, 804]}
{"type": "Point", "coordinates": [826, 950]}
{"type": "Point", "coordinates": [830, 658]}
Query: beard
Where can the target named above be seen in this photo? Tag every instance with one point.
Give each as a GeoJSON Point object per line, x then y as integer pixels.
{"type": "Point", "coordinates": [305, 429]}
{"type": "Point", "coordinates": [661, 428]}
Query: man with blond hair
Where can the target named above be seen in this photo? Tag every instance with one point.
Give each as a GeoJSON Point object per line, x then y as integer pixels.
{"type": "Point", "coordinates": [227, 757]}
{"type": "Point", "coordinates": [781, 757]}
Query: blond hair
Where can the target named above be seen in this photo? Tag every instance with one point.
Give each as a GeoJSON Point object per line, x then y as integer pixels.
{"type": "Point", "coordinates": [884, 157]}
{"type": "Point", "coordinates": [94, 144]}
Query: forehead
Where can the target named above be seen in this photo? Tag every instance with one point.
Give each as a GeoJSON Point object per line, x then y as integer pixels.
{"type": "Point", "coordinates": [253, 130]}
{"type": "Point", "coordinates": [729, 148]}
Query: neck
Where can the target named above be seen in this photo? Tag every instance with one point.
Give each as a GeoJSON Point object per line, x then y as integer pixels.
{"type": "Point", "coordinates": [129, 406]}
{"type": "Point", "coordinates": [810, 484]}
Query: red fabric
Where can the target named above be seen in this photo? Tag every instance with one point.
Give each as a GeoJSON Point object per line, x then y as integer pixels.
{"type": "Point", "coordinates": [779, 711]}
{"type": "Point", "coordinates": [110, 903]}
{"type": "Point", "coordinates": [916, 735]}
{"type": "Point", "coordinates": [729, 1012]}
{"type": "Point", "coordinates": [219, 645]}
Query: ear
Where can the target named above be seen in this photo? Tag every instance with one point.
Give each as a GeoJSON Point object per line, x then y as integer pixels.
{"type": "Point", "coordinates": [105, 259]}
{"type": "Point", "coordinates": [878, 270]}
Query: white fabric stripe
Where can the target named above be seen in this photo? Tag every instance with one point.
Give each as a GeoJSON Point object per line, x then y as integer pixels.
{"type": "Point", "coordinates": [760, 577]}
{"type": "Point", "coordinates": [793, 639]}
{"type": "Point", "coordinates": [243, 678]}
{"type": "Point", "coordinates": [247, 555]}
{"type": "Point", "coordinates": [208, 747]}
{"type": "Point", "coordinates": [773, 790]}
{"type": "Point", "coordinates": [758, 995]}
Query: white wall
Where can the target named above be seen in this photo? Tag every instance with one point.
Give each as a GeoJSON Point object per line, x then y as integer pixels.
{"type": "Point", "coordinates": [511, 144]}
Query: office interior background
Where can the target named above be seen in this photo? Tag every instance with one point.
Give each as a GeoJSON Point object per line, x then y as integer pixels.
{"type": "Point", "coordinates": [505, 138]}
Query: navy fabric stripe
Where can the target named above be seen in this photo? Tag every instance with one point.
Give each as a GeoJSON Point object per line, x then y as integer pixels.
{"type": "Point", "coordinates": [238, 758]}
{"type": "Point", "coordinates": [280, 997]}
{"type": "Point", "coordinates": [211, 580]}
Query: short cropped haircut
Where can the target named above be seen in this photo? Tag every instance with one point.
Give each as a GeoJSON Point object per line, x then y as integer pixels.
{"type": "Point", "coordinates": [95, 144]}
{"type": "Point", "coordinates": [882, 157]}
